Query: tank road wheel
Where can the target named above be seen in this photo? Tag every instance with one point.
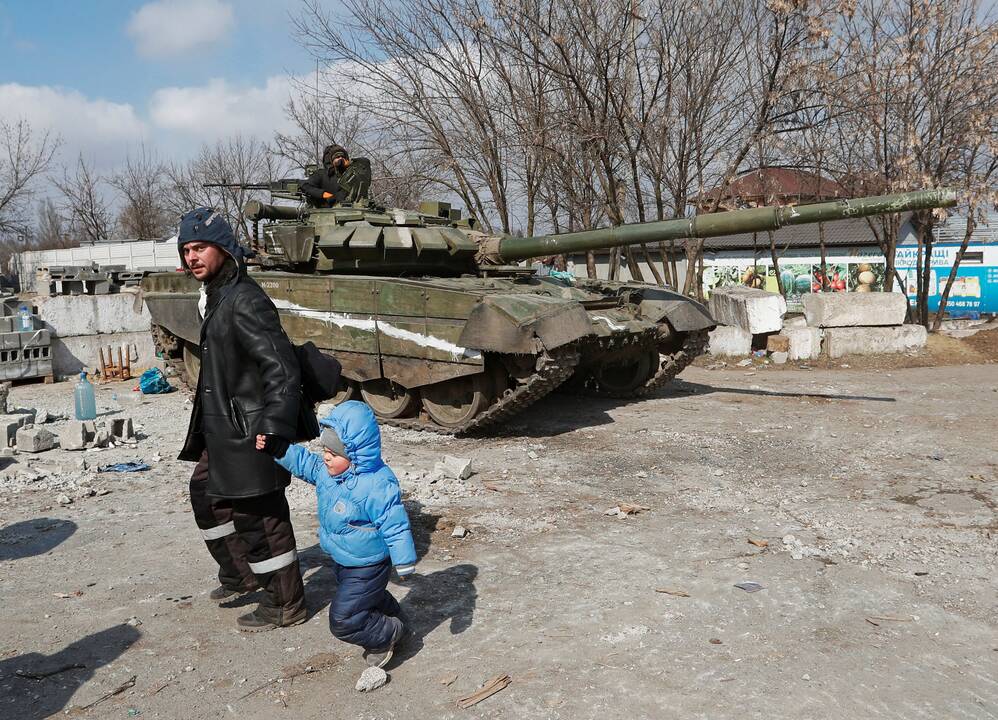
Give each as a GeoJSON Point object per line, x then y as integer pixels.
{"type": "Point", "coordinates": [389, 399]}
{"type": "Point", "coordinates": [348, 391]}
{"type": "Point", "coordinates": [624, 375]}
{"type": "Point", "coordinates": [456, 402]}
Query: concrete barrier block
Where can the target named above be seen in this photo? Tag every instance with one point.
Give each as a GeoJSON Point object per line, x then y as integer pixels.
{"type": "Point", "coordinates": [873, 340]}
{"type": "Point", "coordinates": [730, 341]}
{"type": "Point", "coordinates": [854, 309]}
{"type": "Point", "coordinates": [756, 311]}
{"type": "Point", "coordinates": [75, 435]}
{"type": "Point", "coordinates": [805, 343]}
{"type": "Point", "coordinates": [73, 315]}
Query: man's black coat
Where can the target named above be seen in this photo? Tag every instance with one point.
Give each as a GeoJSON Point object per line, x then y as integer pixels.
{"type": "Point", "coordinates": [249, 383]}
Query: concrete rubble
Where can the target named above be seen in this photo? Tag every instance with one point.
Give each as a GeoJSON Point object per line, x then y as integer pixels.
{"type": "Point", "coordinates": [840, 341]}
{"type": "Point", "coordinates": [453, 467]}
{"type": "Point", "coordinates": [755, 311]}
{"type": "Point", "coordinates": [34, 440]}
{"type": "Point", "coordinates": [804, 342]}
{"type": "Point", "coordinates": [827, 310]}
{"type": "Point", "coordinates": [729, 341]}
{"type": "Point", "coordinates": [371, 679]}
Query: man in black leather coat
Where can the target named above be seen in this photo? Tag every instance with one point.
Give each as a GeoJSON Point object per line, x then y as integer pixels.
{"type": "Point", "coordinates": [249, 384]}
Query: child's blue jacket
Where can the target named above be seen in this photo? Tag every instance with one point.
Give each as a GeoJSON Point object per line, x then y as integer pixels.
{"type": "Point", "coordinates": [361, 517]}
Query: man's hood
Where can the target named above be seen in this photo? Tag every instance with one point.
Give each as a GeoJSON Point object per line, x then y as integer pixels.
{"type": "Point", "coordinates": [357, 427]}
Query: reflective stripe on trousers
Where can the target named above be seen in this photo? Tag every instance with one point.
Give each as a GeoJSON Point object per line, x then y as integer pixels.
{"type": "Point", "coordinates": [219, 531]}
{"type": "Point", "coordinates": [274, 563]}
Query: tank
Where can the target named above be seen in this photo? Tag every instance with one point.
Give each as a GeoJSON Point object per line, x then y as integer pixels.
{"type": "Point", "coordinates": [437, 326]}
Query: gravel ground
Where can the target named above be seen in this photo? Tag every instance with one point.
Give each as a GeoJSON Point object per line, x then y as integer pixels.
{"type": "Point", "coordinates": [861, 500]}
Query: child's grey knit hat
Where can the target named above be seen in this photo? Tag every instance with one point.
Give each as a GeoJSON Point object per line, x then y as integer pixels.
{"type": "Point", "coordinates": [332, 441]}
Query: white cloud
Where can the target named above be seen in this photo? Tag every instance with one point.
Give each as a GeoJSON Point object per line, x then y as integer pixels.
{"type": "Point", "coordinates": [100, 129]}
{"type": "Point", "coordinates": [167, 28]}
{"type": "Point", "coordinates": [218, 109]}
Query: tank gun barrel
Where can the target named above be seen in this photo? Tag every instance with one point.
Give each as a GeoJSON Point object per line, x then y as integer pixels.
{"type": "Point", "coordinates": [256, 210]}
{"type": "Point", "coordinates": [731, 222]}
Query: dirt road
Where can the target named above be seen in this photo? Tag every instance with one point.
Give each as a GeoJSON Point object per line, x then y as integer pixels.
{"type": "Point", "coordinates": [870, 497]}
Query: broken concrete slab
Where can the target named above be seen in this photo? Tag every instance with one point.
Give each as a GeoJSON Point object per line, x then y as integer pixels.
{"type": "Point", "coordinates": [756, 311]}
{"type": "Point", "coordinates": [729, 340]}
{"type": "Point", "coordinates": [805, 343]}
{"type": "Point", "coordinates": [453, 467]}
{"type": "Point", "coordinates": [854, 309]}
{"type": "Point", "coordinates": [34, 440]}
{"type": "Point", "coordinates": [841, 341]}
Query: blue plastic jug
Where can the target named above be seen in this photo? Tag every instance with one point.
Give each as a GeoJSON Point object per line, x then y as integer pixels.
{"type": "Point", "coordinates": [83, 394]}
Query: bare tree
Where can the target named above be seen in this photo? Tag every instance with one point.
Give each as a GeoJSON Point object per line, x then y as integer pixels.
{"type": "Point", "coordinates": [51, 228]}
{"type": "Point", "coordinates": [23, 158]}
{"type": "Point", "coordinates": [83, 202]}
{"type": "Point", "coordinates": [144, 188]}
{"type": "Point", "coordinates": [232, 163]}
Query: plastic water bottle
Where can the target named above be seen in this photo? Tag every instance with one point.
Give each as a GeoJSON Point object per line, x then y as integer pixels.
{"type": "Point", "coordinates": [83, 394]}
{"type": "Point", "coordinates": [25, 319]}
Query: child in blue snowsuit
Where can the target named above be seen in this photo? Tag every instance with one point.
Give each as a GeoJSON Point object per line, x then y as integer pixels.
{"type": "Point", "coordinates": [362, 525]}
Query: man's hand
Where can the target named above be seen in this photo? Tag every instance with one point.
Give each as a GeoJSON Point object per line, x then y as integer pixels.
{"type": "Point", "coordinates": [272, 445]}
{"type": "Point", "coordinates": [327, 195]}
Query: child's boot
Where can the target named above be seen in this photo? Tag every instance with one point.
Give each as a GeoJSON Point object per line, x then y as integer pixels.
{"type": "Point", "coordinates": [380, 658]}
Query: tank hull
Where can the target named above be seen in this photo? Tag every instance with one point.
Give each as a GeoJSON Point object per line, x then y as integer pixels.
{"type": "Point", "coordinates": [460, 354]}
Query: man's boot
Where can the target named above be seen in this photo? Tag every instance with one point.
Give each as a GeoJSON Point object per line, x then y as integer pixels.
{"type": "Point", "coordinates": [284, 603]}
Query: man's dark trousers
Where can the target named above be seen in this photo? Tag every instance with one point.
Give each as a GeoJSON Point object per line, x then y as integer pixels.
{"type": "Point", "coordinates": [247, 532]}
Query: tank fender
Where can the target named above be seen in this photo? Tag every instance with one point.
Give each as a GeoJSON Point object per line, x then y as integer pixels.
{"type": "Point", "coordinates": [516, 323]}
{"type": "Point", "coordinates": [684, 314]}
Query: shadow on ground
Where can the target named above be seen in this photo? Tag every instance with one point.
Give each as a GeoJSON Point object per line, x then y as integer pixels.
{"type": "Point", "coordinates": [33, 537]}
{"type": "Point", "coordinates": [436, 598]}
{"type": "Point", "coordinates": [58, 676]}
{"type": "Point", "coordinates": [683, 388]}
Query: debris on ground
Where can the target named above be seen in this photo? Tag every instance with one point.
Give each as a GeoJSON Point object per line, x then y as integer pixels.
{"type": "Point", "coordinates": [453, 467]}
{"type": "Point", "coordinates": [490, 688]}
{"type": "Point", "coordinates": [749, 586]}
{"type": "Point", "coordinates": [758, 543]}
{"type": "Point", "coordinates": [371, 679]}
{"type": "Point", "coordinates": [669, 591]}
{"type": "Point", "coordinates": [459, 531]}
{"type": "Point", "coordinates": [448, 679]}
{"type": "Point", "coordinates": [877, 619]}
{"type": "Point", "coordinates": [622, 510]}
{"type": "Point", "coordinates": [124, 467]}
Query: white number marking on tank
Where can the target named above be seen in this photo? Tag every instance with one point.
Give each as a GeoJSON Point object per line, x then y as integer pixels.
{"type": "Point", "coordinates": [370, 325]}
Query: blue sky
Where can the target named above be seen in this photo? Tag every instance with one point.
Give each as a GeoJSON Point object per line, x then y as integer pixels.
{"type": "Point", "coordinates": [107, 75]}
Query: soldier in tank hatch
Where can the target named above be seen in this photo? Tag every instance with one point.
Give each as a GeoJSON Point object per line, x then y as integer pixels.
{"type": "Point", "coordinates": [249, 384]}
{"type": "Point", "coordinates": [323, 188]}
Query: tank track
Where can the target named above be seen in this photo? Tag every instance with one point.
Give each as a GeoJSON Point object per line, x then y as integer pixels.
{"type": "Point", "coordinates": [558, 367]}
{"type": "Point", "coordinates": [172, 349]}
{"type": "Point", "coordinates": [674, 363]}
{"type": "Point", "coordinates": [670, 365]}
